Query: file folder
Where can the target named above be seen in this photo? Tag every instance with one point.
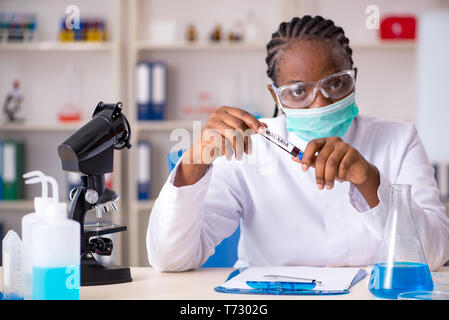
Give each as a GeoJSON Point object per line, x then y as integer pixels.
{"type": "Point", "coordinates": [1, 244]}
{"type": "Point", "coordinates": [151, 90]}
{"type": "Point", "coordinates": [1, 171]}
{"type": "Point", "coordinates": [143, 170]}
{"type": "Point", "coordinates": [13, 169]}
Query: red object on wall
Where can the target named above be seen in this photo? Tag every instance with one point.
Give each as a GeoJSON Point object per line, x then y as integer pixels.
{"type": "Point", "coordinates": [403, 27]}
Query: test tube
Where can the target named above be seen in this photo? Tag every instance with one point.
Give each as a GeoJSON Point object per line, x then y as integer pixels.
{"type": "Point", "coordinates": [281, 142]}
{"type": "Point", "coordinates": [12, 266]}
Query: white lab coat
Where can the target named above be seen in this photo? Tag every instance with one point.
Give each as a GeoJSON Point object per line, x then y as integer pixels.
{"type": "Point", "coordinates": [285, 219]}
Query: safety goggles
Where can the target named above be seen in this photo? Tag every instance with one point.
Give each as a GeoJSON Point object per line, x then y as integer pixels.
{"type": "Point", "coordinates": [302, 94]}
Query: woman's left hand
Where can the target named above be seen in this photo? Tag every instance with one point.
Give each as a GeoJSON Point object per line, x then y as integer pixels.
{"type": "Point", "coordinates": [337, 160]}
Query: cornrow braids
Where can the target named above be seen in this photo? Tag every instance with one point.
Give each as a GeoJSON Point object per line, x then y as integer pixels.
{"type": "Point", "coordinates": [308, 28]}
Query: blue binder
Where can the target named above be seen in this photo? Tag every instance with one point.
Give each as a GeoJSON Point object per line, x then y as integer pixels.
{"type": "Point", "coordinates": [143, 170]}
{"type": "Point", "coordinates": [1, 245]}
{"type": "Point", "coordinates": [1, 172]}
{"type": "Point", "coordinates": [286, 289]}
{"type": "Point", "coordinates": [151, 90]}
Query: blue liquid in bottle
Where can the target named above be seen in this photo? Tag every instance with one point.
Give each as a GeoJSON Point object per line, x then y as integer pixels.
{"type": "Point", "coordinates": [10, 296]}
{"type": "Point", "coordinates": [56, 283]}
{"type": "Point", "coordinates": [388, 281]}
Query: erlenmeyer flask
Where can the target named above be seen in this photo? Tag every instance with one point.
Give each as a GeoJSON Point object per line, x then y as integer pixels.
{"type": "Point", "coordinates": [400, 264]}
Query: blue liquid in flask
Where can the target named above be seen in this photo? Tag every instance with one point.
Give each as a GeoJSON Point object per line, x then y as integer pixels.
{"type": "Point", "coordinates": [56, 283]}
{"type": "Point", "coordinates": [388, 281]}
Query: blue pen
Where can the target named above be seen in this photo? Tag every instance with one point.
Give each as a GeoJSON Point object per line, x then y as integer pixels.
{"type": "Point", "coordinates": [281, 142]}
{"type": "Point", "coordinates": [281, 285]}
{"type": "Point", "coordinates": [279, 276]}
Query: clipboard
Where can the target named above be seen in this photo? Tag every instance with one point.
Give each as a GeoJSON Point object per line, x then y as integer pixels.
{"type": "Point", "coordinates": [285, 290]}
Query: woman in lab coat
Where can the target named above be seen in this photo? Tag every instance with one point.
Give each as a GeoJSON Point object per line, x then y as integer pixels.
{"type": "Point", "coordinates": [328, 209]}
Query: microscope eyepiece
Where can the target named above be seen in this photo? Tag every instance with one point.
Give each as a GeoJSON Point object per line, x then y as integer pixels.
{"type": "Point", "coordinates": [90, 150]}
{"type": "Point", "coordinates": [113, 113]}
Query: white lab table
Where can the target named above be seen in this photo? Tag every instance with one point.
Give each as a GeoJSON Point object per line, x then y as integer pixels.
{"type": "Point", "coordinates": [149, 284]}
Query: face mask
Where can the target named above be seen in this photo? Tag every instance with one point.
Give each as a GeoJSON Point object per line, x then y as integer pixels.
{"type": "Point", "coordinates": [329, 121]}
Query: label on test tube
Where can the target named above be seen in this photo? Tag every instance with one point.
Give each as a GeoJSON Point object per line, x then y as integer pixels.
{"type": "Point", "coordinates": [281, 142]}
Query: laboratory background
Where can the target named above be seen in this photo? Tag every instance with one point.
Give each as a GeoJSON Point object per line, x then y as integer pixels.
{"type": "Point", "coordinates": [171, 62]}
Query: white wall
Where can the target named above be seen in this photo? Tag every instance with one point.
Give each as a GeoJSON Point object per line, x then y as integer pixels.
{"type": "Point", "coordinates": [433, 83]}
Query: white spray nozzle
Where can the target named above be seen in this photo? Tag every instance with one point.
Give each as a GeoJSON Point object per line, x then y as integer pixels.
{"type": "Point", "coordinates": [54, 186]}
{"type": "Point", "coordinates": [45, 180]}
{"type": "Point", "coordinates": [37, 177]}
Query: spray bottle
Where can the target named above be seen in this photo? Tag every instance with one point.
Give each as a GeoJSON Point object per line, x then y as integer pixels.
{"type": "Point", "coordinates": [56, 253]}
{"type": "Point", "coordinates": [28, 222]}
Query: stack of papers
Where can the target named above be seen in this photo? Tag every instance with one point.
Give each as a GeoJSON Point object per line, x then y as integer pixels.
{"type": "Point", "coordinates": [329, 280]}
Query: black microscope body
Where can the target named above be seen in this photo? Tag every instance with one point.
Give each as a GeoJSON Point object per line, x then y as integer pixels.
{"type": "Point", "coordinates": [90, 151]}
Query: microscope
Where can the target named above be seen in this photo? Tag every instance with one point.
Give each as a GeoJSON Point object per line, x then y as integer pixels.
{"type": "Point", "coordinates": [90, 151]}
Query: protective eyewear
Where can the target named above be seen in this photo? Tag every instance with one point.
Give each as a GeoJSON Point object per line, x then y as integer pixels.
{"type": "Point", "coordinates": [302, 94]}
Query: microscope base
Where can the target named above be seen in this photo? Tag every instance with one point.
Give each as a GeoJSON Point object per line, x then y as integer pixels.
{"type": "Point", "coordinates": [96, 274]}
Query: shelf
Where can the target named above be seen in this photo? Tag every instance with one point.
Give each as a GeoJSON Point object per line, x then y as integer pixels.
{"type": "Point", "coordinates": [164, 125]}
{"type": "Point", "coordinates": [226, 46]}
{"type": "Point", "coordinates": [40, 126]}
{"type": "Point", "coordinates": [205, 46]}
{"type": "Point", "coordinates": [150, 125]}
{"type": "Point", "coordinates": [57, 46]}
{"type": "Point", "coordinates": [385, 45]}
{"type": "Point", "coordinates": [17, 205]}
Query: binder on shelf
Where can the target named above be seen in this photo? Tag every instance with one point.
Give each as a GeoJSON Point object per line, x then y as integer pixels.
{"type": "Point", "coordinates": [143, 170]}
{"type": "Point", "coordinates": [1, 170]}
{"type": "Point", "coordinates": [13, 169]}
{"type": "Point", "coordinates": [442, 178]}
{"type": "Point", "coordinates": [1, 244]}
{"type": "Point", "coordinates": [151, 90]}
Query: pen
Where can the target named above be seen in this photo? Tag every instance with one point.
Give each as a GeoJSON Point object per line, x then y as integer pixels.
{"type": "Point", "coordinates": [281, 142]}
{"type": "Point", "coordinates": [278, 276]}
{"type": "Point", "coordinates": [281, 285]}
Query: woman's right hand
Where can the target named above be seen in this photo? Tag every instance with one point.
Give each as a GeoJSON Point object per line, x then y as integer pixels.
{"type": "Point", "coordinates": [226, 132]}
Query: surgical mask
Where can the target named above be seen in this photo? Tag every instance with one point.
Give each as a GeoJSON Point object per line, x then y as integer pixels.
{"type": "Point", "coordinates": [329, 121]}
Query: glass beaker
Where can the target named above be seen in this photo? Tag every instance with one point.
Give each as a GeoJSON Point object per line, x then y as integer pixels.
{"type": "Point", "coordinates": [400, 264]}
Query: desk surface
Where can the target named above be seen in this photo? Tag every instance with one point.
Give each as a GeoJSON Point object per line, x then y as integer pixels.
{"type": "Point", "coordinates": [199, 284]}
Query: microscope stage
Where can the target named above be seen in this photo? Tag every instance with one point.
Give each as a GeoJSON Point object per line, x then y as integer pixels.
{"type": "Point", "coordinates": [97, 229]}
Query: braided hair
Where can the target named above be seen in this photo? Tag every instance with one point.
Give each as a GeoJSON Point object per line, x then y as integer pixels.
{"type": "Point", "coordinates": [308, 28]}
